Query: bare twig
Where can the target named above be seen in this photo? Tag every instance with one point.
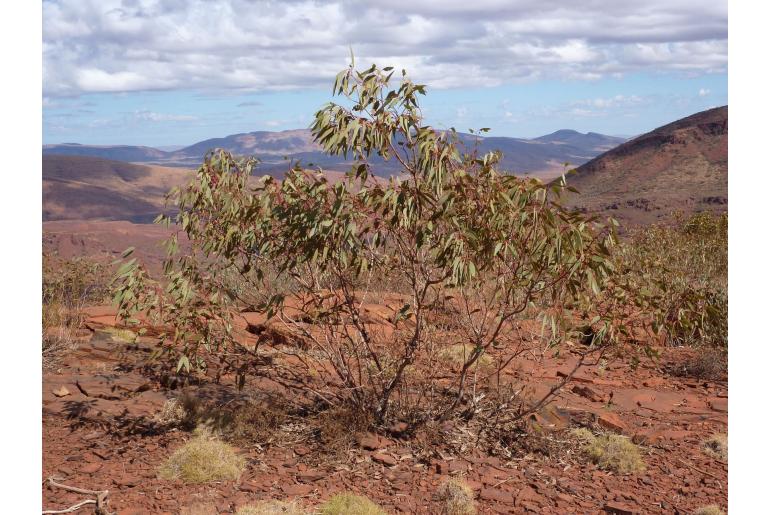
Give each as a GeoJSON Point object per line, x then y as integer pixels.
{"type": "Point", "coordinates": [72, 508]}
{"type": "Point", "coordinates": [693, 467]}
{"type": "Point", "coordinates": [100, 501]}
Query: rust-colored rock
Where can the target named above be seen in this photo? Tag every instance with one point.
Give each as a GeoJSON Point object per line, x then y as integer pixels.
{"type": "Point", "coordinates": [384, 459]}
{"type": "Point", "coordinates": [61, 392]}
{"type": "Point", "coordinates": [616, 508]}
{"type": "Point", "coordinates": [297, 490]}
{"type": "Point", "coordinates": [372, 442]}
{"type": "Point", "coordinates": [91, 468]}
{"type": "Point", "coordinates": [589, 393]}
{"type": "Point", "coordinates": [613, 422]}
{"type": "Point", "coordinates": [495, 494]}
{"type": "Point", "coordinates": [719, 404]}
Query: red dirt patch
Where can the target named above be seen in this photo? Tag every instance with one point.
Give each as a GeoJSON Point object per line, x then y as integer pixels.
{"type": "Point", "coordinates": [102, 436]}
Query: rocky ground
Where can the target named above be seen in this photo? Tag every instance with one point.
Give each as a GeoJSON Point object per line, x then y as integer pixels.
{"type": "Point", "coordinates": [99, 432]}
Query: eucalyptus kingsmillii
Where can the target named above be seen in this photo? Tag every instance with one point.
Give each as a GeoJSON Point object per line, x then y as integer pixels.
{"type": "Point", "coordinates": [457, 234]}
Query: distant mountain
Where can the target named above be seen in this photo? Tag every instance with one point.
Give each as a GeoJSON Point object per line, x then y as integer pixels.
{"type": "Point", "coordinates": [681, 166]}
{"type": "Point", "coordinates": [542, 157]}
{"type": "Point", "coordinates": [116, 152]}
{"type": "Point", "coordinates": [592, 141]}
{"type": "Point", "coordinates": [92, 188]}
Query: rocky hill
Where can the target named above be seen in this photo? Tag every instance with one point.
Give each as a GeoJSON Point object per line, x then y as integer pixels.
{"type": "Point", "coordinates": [91, 188]}
{"type": "Point", "coordinates": [681, 166]}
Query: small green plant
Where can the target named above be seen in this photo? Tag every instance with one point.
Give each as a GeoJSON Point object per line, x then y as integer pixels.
{"type": "Point", "coordinates": [611, 452]}
{"type": "Point", "coordinates": [350, 504]}
{"type": "Point", "coordinates": [203, 459]}
{"type": "Point", "coordinates": [272, 508]}
{"type": "Point", "coordinates": [716, 446]}
{"type": "Point", "coordinates": [711, 509]}
{"type": "Point", "coordinates": [456, 497]}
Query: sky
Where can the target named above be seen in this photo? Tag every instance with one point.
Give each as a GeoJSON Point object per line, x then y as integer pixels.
{"type": "Point", "coordinates": [175, 72]}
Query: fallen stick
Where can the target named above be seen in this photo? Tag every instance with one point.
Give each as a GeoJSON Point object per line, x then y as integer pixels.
{"type": "Point", "coordinates": [72, 508]}
{"type": "Point", "coordinates": [100, 502]}
{"type": "Point", "coordinates": [693, 467]}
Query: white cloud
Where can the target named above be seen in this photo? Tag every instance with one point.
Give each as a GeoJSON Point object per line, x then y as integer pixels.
{"type": "Point", "coordinates": [703, 92]}
{"type": "Point", "coordinates": [162, 117]}
{"type": "Point", "coordinates": [132, 45]}
{"type": "Point", "coordinates": [612, 102]}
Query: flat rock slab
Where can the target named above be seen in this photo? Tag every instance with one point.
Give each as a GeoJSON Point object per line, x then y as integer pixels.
{"type": "Point", "coordinates": [659, 401]}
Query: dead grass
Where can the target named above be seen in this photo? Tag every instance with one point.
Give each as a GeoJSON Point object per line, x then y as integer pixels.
{"type": "Point", "coordinates": [243, 423]}
{"type": "Point", "coordinates": [457, 355]}
{"type": "Point", "coordinates": [350, 504]}
{"type": "Point", "coordinates": [68, 286]}
{"type": "Point", "coordinates": [456, 498]}
{"type": "Point", "coordinates": [255, 423]}
{"type": "Point", "coordinates": [272, 508]}
{"type": "Point", "coordinates": [173, 413]}
{"type": "Point", "coordinates": [583, 434]}
{"type": "Point", "coordinates": [57, 343]}
{"type": "Point", "coordinates": [60, 325]}
{"type": "Point", "coordinates": [611, 452]}
{"type": "Point", "coordinates": [336, 428]}
{"type": "Point", "coordinates": [716, 446]}
{"type": "Point", "coordinates": [709, 363]}
{"type": "Point", "coordinates": [203, 459]}
{"type": "Point", "coordinates": [121, 335]}
{"type": "Point", "coordinates": [711, 509]}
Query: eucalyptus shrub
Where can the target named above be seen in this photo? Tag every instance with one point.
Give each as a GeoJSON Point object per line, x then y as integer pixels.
{"type": "Point", "coordinates": [490, 249]}
{"type": "Point", "coordinates": [676, 275]}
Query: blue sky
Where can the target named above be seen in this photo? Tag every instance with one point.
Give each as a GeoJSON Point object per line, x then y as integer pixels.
{"type": "Point", "coordinates": [173, 72]}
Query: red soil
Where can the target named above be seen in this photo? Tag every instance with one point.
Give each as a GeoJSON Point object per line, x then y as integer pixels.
{"type": "Point", "coordinates": [101, 436]}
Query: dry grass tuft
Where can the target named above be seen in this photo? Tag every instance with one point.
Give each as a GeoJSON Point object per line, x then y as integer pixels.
{"type": "Point", "coordinates": [709, 363]}
{"type": "Point", "coordinates": [716, 446]}
{"type": "Point", "coordinates": [457, 354]}
{"type": "Point", "coordinates": [272, 508]}
{"type": "Point", "coordinates": [336, 428]}
{"type": "Point", "coordinates": [243, 423]}
{"type": "Point", "coordinates": [201, 460]}
{"type": "Point", "coordinates": [173, 413]}
{"type": "Point", "coordinates": [583, 434]}
{"type": "Point", "coordinates": [57, 342]}
{"type": "Point", "coordinates": [711, 509]}
{"type": "Point", "coordinates": [255, 423]}
{"type": "Point", "coordinates": [121, 335]}
{"type": "Point", "coordinates": [611, 452]}
{"type": "Point", "coordinates": [456, 498]}
{"type": "Point", "coordinates": [68, 286]}
{"type": "Point", "coordinates": [350, 504]}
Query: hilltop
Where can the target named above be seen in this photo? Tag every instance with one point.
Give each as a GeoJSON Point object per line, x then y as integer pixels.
{"type": "Point", "coordinates": [92, 188]}
{"type": "Point", "coordinates": [681, 166]}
